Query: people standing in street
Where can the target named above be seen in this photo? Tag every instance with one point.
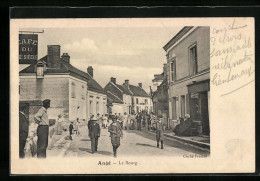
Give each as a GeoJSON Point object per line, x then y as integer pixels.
{"type": "Point", "coordinates": [139, 120]}
{"type": "Point", "coordinates": [115, 133]}
{"type": "Point", "coordinates": [144, 120]}
{"type": "Point", "coordinates": [149, 122]}
{"type": "Point", "coordinates": [94, 134]}
{"type": "Point", "coordinates": [125, 121]}
{"type": "Point", "coordinates": [105, 120]}
{"type": "Point", "coordinates": [41, 118]}
{"type": "Point", "coordinates": [70, 130]}
{"type": "Point", "coordinates": [59, 126]}
{"type": "Point", "coordinates": [120, 120]}
{"type": "Point", "coordinates": [77, 122]}
{"type": "Point", "coordinates": [23, 131]}
{"type": "Point", "coordinates": [132, 121]}
{"type": "Point", "coordinates": [77, 126]}
{"type": "Point", "coordinates": [159, 131]}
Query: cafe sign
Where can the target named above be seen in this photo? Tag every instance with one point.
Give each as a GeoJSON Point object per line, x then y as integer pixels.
{"type": "Point", "coordinates": [28, 48]}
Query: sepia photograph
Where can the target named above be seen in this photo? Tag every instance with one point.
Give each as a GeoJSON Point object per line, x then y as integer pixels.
{"type": "Point", "coordinates": [123, 94]}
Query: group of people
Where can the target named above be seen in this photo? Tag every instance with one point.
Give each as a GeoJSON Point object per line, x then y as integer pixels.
{"type": "Point", "coordinates": [119, 123]}
{"type": "Point", "coordinates": [115, 130]}
{"type": "Point", "coordinates": [115, 124]}
{"type": "Point", "coordinates": [185, 127]}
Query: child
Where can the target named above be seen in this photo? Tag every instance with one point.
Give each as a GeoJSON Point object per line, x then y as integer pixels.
{"type": "Point", "coordinates": [70, 129]}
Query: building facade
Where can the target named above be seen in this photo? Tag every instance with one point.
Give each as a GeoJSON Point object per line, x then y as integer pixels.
{"type": "Point", "coordinates": [97, 97]}
{"type": "Point", "coordinates": [188, 74]}
{"type": "Point", "coordinates": [160, 102]}
{"type": "Point", "coordinates": [120, 97]}
{"type": "Point", "coordinates": [134, 98]}
{"type": "Point", "coordinates": [69, 89]}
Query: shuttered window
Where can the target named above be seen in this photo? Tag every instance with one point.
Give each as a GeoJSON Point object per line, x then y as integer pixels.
{"type": "Point", "coordinates": [173, 70]}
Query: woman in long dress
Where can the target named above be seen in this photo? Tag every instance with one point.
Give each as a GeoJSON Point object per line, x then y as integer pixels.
{"type": "Point", "coordinates": [116, 133]}
{"type": "Point", "coordinates": [59, 126]}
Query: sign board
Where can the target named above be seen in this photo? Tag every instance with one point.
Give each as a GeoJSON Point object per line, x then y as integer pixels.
{"type": "Point", "coordinates": [194, 95]}
{"type": "Point", "coordinates": [28, 48]}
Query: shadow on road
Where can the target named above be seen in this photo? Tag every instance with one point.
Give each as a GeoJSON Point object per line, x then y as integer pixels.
{"type": "Point", "coordinates": [85, 140]}
{"type": "Point", "coordinates": [104, 153]}
{"type": "Point", "coordinates": [85, 149]}
{"type": "Point", "coordinates": [98, 152]}
{"type": "Point", "coordinates": [142, 144]}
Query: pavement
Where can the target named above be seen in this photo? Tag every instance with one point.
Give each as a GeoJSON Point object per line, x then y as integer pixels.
{"type": "Point", "coordinates": [134, 142]}
{"type": "Point", "coordinates": [201, 142]}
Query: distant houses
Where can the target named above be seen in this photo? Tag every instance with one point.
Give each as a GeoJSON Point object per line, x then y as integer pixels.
{"type": "Point", "coordinates": [127, 98]}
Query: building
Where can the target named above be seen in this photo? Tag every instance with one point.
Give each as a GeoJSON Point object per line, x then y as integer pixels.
{"type": "Point", "coordinates": [134, 98]}
{"type": "Point", "coordinates": [53, 77]}
{"type": "Point", "coordinates": [188, 74]}
{"type": "Point", "coordinates": [158, 78]}
{"type": "Point", "coordinates": [141, 101]}
{"type": "Point", "coordinates": [120, 98]}
{"type": "Point", "coordinates": [96, 95]}
{"type": "Point", "coordinates": [160, 98]}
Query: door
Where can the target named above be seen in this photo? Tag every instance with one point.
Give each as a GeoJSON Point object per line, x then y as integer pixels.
{"type": "Point", "coordinates": [204, 113]}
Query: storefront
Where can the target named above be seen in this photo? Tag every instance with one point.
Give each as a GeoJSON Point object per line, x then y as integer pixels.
{"type": "Point", "coordinates": [199, 104]}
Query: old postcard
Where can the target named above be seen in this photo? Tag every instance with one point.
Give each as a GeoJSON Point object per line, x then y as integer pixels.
{"type": "Point", "coordinates": [119, 96]}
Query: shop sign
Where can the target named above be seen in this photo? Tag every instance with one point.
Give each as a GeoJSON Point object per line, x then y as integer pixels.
{"type": "Point", "coordinates": [28, 48]}
{"type": "Point", "coordinates": [194, 95]}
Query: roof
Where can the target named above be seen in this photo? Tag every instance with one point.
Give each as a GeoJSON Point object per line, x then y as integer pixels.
{"type": "Point", "coordinates": [158, 77]}
{"type": "Point", "coordinates": [125, 91]}
{"type": "Point", "coordinates": [138, 91]}
{"type": "Point", "coordinates": [178, 36]}
{"type": "Point", "coordinates": [67, 68]}
{"type": "Point", "coordinates": [113, 99]}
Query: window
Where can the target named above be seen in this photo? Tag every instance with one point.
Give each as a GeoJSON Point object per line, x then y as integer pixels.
{"type": "Point", "coordinates": [174, 113]}
{"type": "Point", "coordinates": [39, 72]}
{"type": "Point", "coordinates": [97, 107]}
{"type": "Point", "coordinates": [137, 101]}
{"type": "Point", "coordinates": [173, 70]}
{"type": "Point", "coordinates": [146, 101]}
{"type": "Point", "coordinates": [73, 89]}
{"type": "Point", "coordinates": [82, 92]}
{"type": "Point", "coordinates": [193, 59]}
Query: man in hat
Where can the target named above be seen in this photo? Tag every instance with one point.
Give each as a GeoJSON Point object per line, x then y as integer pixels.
{"type": "Point", "coordinates": [139, 119]}
{"type": "Point", "coordinates": [159, 131]}
{"type": "Point", "coordinates": [116, 133]}
{"type": "Point", "coordinates": [94, 133]}
{"type": "Point", "coordinates": [23, 130]}
{"type": "Point", "coordinates": [41, 118]}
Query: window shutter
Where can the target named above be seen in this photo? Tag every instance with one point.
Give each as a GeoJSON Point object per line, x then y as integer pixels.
{"type": "Point", "coordinates": [188, 103]}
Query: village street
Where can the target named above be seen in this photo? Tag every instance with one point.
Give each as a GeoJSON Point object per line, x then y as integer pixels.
{"type": "Point", "coordinates": [134, 143]}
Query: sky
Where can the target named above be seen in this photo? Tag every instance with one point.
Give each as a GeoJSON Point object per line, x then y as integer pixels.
{"type": "Point", "coordinates": [133, 53]}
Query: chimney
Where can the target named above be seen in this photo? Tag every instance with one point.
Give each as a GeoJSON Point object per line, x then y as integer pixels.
{"type": "Point", "coordinates": [66, 57]}
{"type": "Point", "coordinates": [127, 84]}
{"type": "Point", "coordinates": [112, 79]}
{"type": "Point", "coordinates": [90, 71]}
{"type": "Point", "coordinates": [140, 85]}
{"type": "Point", "coordinates": [53, 56]}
